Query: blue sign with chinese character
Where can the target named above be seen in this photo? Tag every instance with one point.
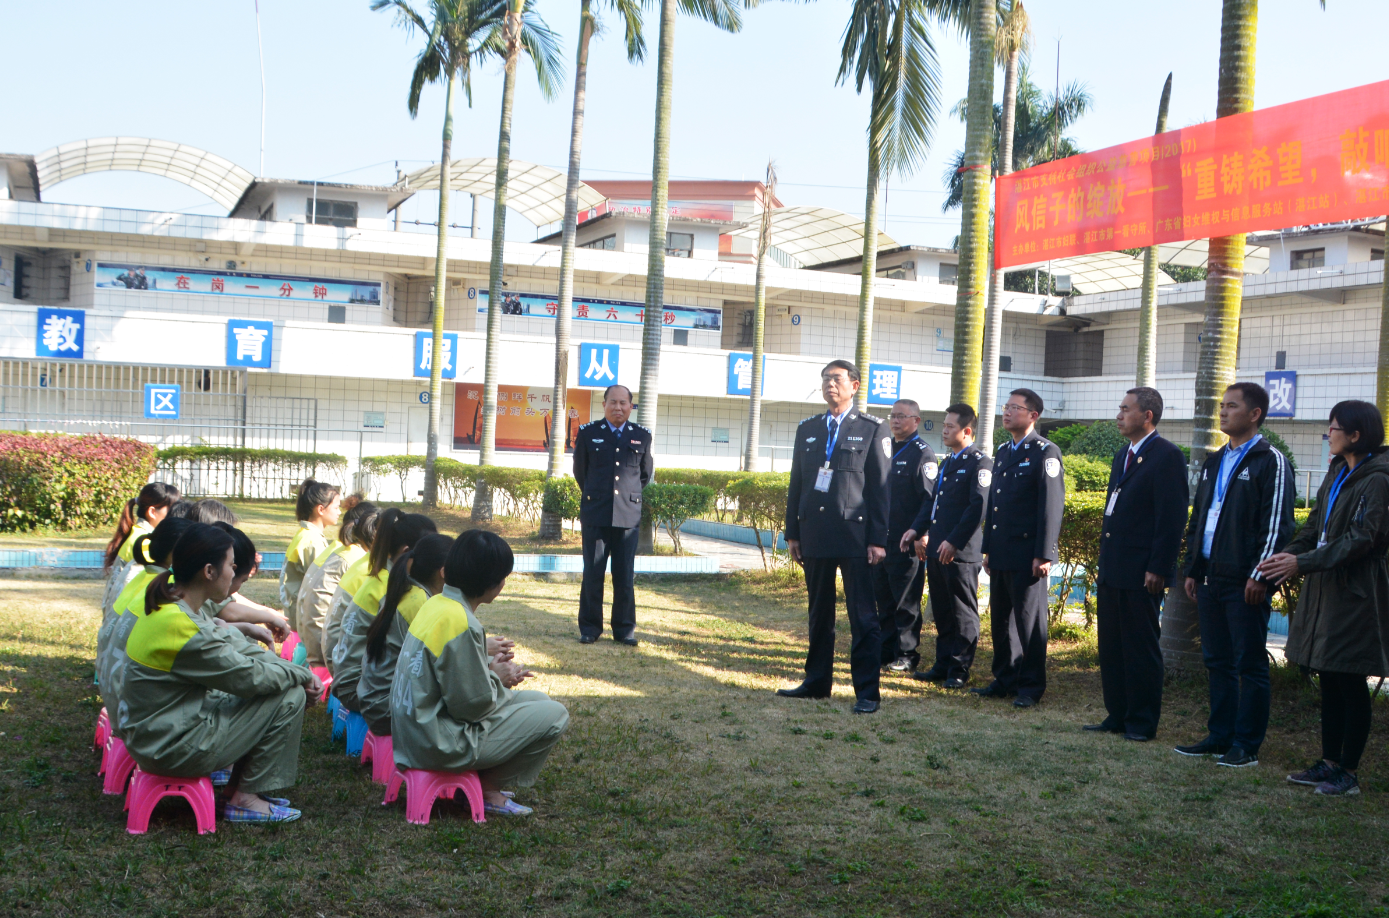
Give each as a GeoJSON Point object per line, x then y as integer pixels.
{"type": "Point", "coordinates": [1282, 393]}
{"type": "Point", "coordinates": [249, 342]}
{"type": "Point", "coordinates": [740, 373]}
{"type": "Point", "coordinates": [162, 401]}
{"type": "Point", "coordinates": [884, 383]}
{"type": "Point", "coordinates": [424, 350]}
{"type": "Point", "coordinates": [598, 364]}
{"type": "Point", "coordinates": [61, 333]}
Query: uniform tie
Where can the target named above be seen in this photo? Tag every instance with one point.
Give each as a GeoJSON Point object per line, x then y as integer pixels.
{"type": "Point", "coordinates": [833, 435]}
{"type": "Point", "coordinates": [1128, 460]}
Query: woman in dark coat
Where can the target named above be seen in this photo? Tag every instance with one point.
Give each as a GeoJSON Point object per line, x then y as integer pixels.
{"type": "Point", "coordinates": [1341, 628]}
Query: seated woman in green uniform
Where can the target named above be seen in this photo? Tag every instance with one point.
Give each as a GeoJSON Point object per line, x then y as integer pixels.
{"type": "Point", "coordinates": [323, 576]}
{"type": "Point", "coordinates": [354, 574]}
{"type": "Point", "coordinates": [139, 517]}
{"type": "Point", "coordinates": [197, 696]}
{"type": "Point", "coordinates": [452, 704]}
{"type": "Point", "coordinates": [416, 575]}
{"type": "Point", "coordinates": [317, 507]}
{"type": "Point", "coordinates": [395, 534]}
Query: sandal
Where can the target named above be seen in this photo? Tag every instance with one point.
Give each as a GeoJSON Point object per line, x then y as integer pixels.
{"type": "Point", "coordinates": [510, 808]}
{"type": "Point", "coordinates": [242, 814]}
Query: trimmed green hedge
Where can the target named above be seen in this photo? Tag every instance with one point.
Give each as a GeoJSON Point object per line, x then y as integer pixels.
{"type": "Point", "coordinates": [1078, 563]}
{"type": "Point", "coordinates": [249, 472]}
{"type": "Point", "coordinates": [400, 466]}
{"type": "Point", "coordinates": [720, 482]}
{"type": "Point", "coordinates": [672, 504]}
{"type": "Point", "coordinates": [1086, 473]}
{"type": "Point", "coordinates": [563, 497]}
{"type": "Point", "coordinates": [68, 482]}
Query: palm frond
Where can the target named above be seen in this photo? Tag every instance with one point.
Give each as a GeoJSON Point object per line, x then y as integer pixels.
{"type": "Point", "coordinates": [1014, 34]}
{"type": "Point", "coordinates": [723, 14]}
{"type": "Point", "coordinates": [541, 44]}
{"type": "Point", "coordinates": [864, 43]}
{"type": "Point", "coordinates": [907, 95]}
{"type": "Point", "coordinates": [630, 12]}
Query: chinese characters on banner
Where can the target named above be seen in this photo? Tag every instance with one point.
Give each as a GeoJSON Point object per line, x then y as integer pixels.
{"type": "Point", "coordinates": [424, 355]}
{"type": "Point", "coordinates": [61, 333]}
{"type": "Point", "coordinates": [617, 312]}
{"type": "Point", "coordinates": [523, 417]}
{"type": "Point", "coordinates": [884, 383]}
{"type": "Point", "coordinates": [250, 342]}
{"type": "Point", "coordinates": [1319, 160]}
{"type": "Point", "coordinates": [740, 373]}
{"type": "Point", "coordinates": [208, 282]}
{"type": "Point", "coordinates": [1282, 393]}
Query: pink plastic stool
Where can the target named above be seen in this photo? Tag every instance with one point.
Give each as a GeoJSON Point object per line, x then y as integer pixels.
{"type": "Point", "coordinates": [287, 648]}
{"type": "Point", "coordinates": [146, 790]}
{"type": "Point", "coordinates": [117, 765]}
{"type": "Point", "coordinates": [103, 730]}
{"type": "Point", "coordinates": [423, 787]}
{"type": "Point", "coordinates": [323, 676]}
{"type": "Point", "coordinates": [380, 752]}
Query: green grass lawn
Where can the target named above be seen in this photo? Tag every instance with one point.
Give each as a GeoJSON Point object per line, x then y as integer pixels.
{"type": "Point", "coordinates": [685, 788]}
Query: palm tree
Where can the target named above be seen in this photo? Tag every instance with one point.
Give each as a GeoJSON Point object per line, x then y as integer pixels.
{"type": "Point", "coordinates": [524, 30]}
{"type": "Point", "coordinates": [887, 44]}
{"type": "Point", "coordinates": [458, 34]}
{"type": "Point", "coordinates": [1013, 42]}
{"type": "Point", "coordinates": [725, 15]}
{"type": "Point", "coordinates": [1147, 310]}
{"type": "Point", "coordinates": [972, 279]}
{"type": "Point", "coordinates": [630, 12]}
{"type": "Point", "coordinates": [759, 311]}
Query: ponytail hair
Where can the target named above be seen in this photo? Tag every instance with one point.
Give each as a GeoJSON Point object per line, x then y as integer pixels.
{"type": "Point", "coordinates": [201, 545]}
{"type": "Point", "coordinates": [395, 530]}
{"type": "Point", "coordinates": [429, 555]}
{"type": "Point", "coordinates": [478, 561]}
{"type": "Point", "coordinates": [243, 549]}
{"type": "Point", "coordinates": [153, 495]}
{"type": "Point", "coordinates": [351, 522]}
{"type": "Point", "coordinates": [159, 545]}
{"type": "Point", "coordinates": [313, 494]}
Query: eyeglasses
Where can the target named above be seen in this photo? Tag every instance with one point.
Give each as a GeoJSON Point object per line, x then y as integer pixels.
{"type": "Point", "coordinates": [903, 417]}
{"type": "Point", "coordinates": [1011, 407]}
{"type": "Point", "coordinates": [1331, 427]}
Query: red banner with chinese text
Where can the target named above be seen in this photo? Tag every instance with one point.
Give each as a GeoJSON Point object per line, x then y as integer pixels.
{"type": "Point", "coordinates": [523, 417]}
{"type": "Point", "coordinates": [1320, 160]}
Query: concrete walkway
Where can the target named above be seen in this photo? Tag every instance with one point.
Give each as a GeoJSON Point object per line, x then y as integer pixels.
{"type": "Point", "coordinates": [732, 556]}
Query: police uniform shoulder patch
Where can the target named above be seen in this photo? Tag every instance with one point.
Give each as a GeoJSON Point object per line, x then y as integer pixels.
{"type": "Point", "coordinates": [920, 444]}
{"type": "Point", "coordinates": [931, 470]}
{"type": "Point", "coordinates": [1053, 467]}
{"type": "Point", "coordinates": [875, 420]}
{"type": "Point", "coordinates": [887, 447]}
{"type": "Point", "coordinates": [986, 478]}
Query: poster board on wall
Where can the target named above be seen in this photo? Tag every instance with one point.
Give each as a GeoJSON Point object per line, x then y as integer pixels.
{"type": "Point", "coordinates": [523, 417]}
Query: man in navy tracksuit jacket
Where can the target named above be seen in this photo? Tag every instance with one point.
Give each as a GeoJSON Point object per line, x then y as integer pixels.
{"type": "Point", "coordinates": [1242, 515]}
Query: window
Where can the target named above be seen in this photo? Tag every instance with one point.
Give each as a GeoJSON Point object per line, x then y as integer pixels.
{"type": "Point", "coordinates": [330, 213]}
{"type": "Point", "coordinates": [1307, 258]}
{"type": "Point", "coordinates": [1280, 360]}
{"type": "Point", "coordinates": [680, 336]}
{"type": "Point", "coordinates": [1376, 254]}
{"type": "Point", "coordinates": [21, 277]}
{"type": "Point", "coordinates": [1072, 353]}
{"type": "Point", "coordinates": [337, 315]}
{"type": "Point", "coordinates": [680, 245]}
{"type": "Point", "coordinates": [949, 273]}
{"type": "Point", "coordinates": [608, 242]}
{"type": "Point", "coordinates": [1005, 364]}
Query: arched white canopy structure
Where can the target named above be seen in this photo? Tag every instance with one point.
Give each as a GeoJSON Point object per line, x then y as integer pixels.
{"type": "Point", "coordinates": [815, 235]}
{"type": "Point", "coordinates": [220, 179]}
{"type": "Point", "coordinates": [1107, 272]}
{"type": "Point", "coordinates": [535, 192]}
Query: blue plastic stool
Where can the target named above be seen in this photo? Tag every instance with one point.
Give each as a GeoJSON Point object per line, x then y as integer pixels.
{"type": "Point", "coordinates": [339, 722]}
{"type": "Point", "coordinates": [333, 705]}
{"type": "Point", "coordinates": [356, 733]}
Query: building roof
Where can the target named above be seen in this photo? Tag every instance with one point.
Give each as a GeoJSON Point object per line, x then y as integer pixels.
{"type": "Point", "coordinates": [23, 176]}
{"type": "Point", "coordinates": [535, 192]}
{"type": "Point", "coordinates": [816, 236]}
{"type": "Point", "coordinates": [220, 179]}
{"type": "Point", "coordinates": [395, 194]}
{"type": "Point", "coordinates": [686, 190]}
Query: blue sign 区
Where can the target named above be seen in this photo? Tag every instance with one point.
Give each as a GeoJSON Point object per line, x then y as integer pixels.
{"type": "Point", "coordinates": [1282, 393]}
{"type": "Point", "coordinates": [250, 343]}
{"type": "Point", "coordinates": [162, 401]}
{"type": "Point", "coordinates": [598, 364]}
{"type": "Point", "coordinates": [884, 383]}
{"type": "Point", "coordinates": [424, 349]}
{"type": "Point", "coordinates": [61, 333]}
{"type": "Point", "coordinates": [740, 373]}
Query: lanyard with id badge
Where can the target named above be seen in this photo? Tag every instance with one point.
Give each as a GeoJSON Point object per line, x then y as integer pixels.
{"type": "Point", "coordinates": [1222, 485]}
{"type": "Point", "coordinates": [825, 474]}
{"type": "Point", "coordinates": [1331, 501]}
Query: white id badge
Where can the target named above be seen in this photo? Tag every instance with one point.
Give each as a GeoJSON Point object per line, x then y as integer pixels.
{"type": "Point", "coordinates": [1321, 543]}
{"type": "Point", "coordinates": [822, 479]}
{"type": "Point", "coordinates": [1213, 516]}
{"type": "Point", "coordinates": [1109, 509]}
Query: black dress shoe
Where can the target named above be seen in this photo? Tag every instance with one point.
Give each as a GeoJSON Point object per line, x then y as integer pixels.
{"type": "Point", "coordinates": [1100, 728]}
{"type": "Point", "coordinates": [992, 690]}
{"type": "Point", "coordinates": [804, 690]}
{"type": "Point", "coordinates": [931, 675]}
{"type": "Point", "coordinates": [587, 639]}
{"type": "Point", "coordinates": [865, 706]}
{"type": "Point", "coordinates": [1136, 737]}
{"type": "Point", "coordinates": [954, 682]}
{"type": "Point", "coordinates": [1024, 701]}
{"type": "Point", "coordinates": [629, 641]}
{"type": "Point", "coordinates": [1207, 746]}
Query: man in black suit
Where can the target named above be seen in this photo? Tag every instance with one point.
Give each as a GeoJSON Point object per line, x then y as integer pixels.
{"type": "Point", "coordinates": [1021, 535]}
{"type": "Point", "coordinates": [898, 581]}
{"type": "Point", "coordinates": [610, 513]}
{"type": "Point", "coordinates": [1141, 537]}
{"type": "Point", "coordinates": [836, 520]}
{"type": "Point", "coordinates": [951, 547]}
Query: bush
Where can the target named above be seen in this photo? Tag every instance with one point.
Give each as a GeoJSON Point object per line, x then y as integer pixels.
{"type": "Point", "coordinates": [232, 471]}
{"type": "Point", "coordinates": [1062, 436]}
{"type": "Point", "coordinates": [719, 481]}
{"type": "Point", "coordinates": [1086, 473]}
{"type": "Point", "coordinates": [1100, 440]}
{"type": "Point", "coordinates": [1079, 553]}
{"type": "Point", "coordinates": [1278, 443]}
{"type": "Point", "coordinates": [522, 488]}
{"type": "Point", "coordinates": [671, 504]}
{"type": "Point", "coordinates": [400, 466]}
{"type": "Point", "coordinates": [761, 498]}
{"type": "Point", "coordinates": [67, 482]}
{"type": "Point", "coordinates": [456, 481]}
{"type": "Point", "coordinates": [562, 497]}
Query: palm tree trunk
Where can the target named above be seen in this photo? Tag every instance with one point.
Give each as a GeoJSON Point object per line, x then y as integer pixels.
{"type": "Point", "coordinates": [972, 293]}
{"type": "Point", "coordinates": [863, 346]}
{"type": "Point", "coordinates": [441, 261]}
{"type": "Point", "coordinates": [1220, 333]}
{"type": "Point", "coordinates": [551, 525]}
{"type": "Point", "coordinates": [993, 332]}
{"type": "Point", "coordinates": [656, 247]}
{"type": "Point", "coordinates": [751, 461]}
{"type": "Point", "coordinates": [482, 498]}
{"type": "Point", "coordinates": [1382, 377]}
{"type": "Point", "coordinates": [1147, 310]}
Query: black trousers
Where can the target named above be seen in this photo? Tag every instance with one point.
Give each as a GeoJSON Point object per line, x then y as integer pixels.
{"type": "Point", "coordinates": [864, 652]}
{"type": "Point", "coordinates": [955, 607]}
{"type": "Point", "coordinates": [1018, 622]}
{"type": "Point", "coordinates": [897, 584]}
{"type": "Point", "coordinates": [1130, 659]}
{"type": "Point", "coordinates": [600, 543]}
{"type": "Point", "coordinates": [1345, 718]}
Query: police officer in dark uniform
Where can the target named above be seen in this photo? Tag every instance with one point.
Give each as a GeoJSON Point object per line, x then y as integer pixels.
{"type": "Point", "coordinates": [1021, 534]}
{"type": "Point", "coordinates": [612, 463]}
{"type": "Point", "coordinates": [836, 520]}
{"type": "Point", "coordinates": [898, 581]}
{"type": "Point", "coordinates": [951, 549]}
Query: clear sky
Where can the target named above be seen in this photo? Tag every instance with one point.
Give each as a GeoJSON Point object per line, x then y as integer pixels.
{"type": "Point", "coordinates": [337, 76]}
